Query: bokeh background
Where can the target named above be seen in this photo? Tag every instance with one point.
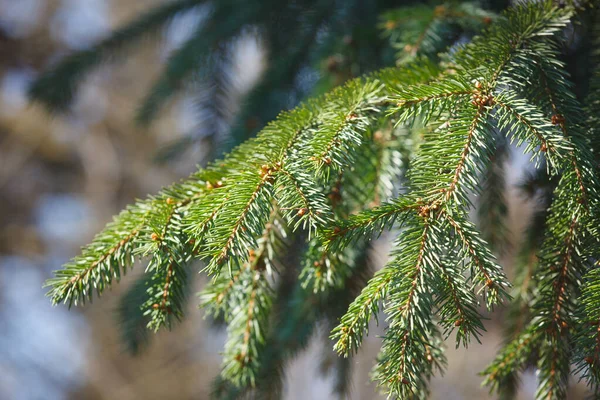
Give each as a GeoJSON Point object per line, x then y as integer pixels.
{"type": "Point", "coordinates": [62, 177]}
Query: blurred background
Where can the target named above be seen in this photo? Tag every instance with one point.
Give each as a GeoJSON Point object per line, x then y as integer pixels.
{"type": "Point", "coordinates": [63, 176]}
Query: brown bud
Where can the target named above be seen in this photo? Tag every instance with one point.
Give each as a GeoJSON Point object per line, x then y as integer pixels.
{"type": "Point", "coordinates": [389, 25]}
{"type": "Point", "coordinates": [564, 325]}
{"type": "Point", "coordinates": [558, 119]}
{"type": "Point", "coordinates": [270, 178]}
{"type": "Point", "coordinates": [458, 322]}
{"type": "Point", "coordinates": [543, 147]}
{"type": "Point", "coordinates": [170, 201]}
{"type": "Point", "coordinates": [74, 279]}
{"type": "Point", "coordinates": [589, 360]}
{"type": "Point", "coordinates": [327, 160]}
{"type": "Point", "coordinates": [405, 381]}
{"type": "Point", "coordinates": [209, 186]}
{"type": "Point", "coordinates": [302, 212]}
{"type": "Point", "coordinates": [155, 236]}
{"type": "Point", "coordinates": [317, 264]}
{"type": "Point", "coordinates": [489, 283]}
{"type": "Point", "coordinates": [155, 306]}
{"type": "Point", "coordinates": [487, 20]}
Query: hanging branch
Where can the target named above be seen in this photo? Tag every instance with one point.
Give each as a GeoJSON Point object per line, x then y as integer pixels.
{"type": "Point", "coordinates": [318, 171]}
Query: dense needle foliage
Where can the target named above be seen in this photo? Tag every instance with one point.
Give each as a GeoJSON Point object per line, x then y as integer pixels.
{"type": "Point", "coordinates": [407, 149]}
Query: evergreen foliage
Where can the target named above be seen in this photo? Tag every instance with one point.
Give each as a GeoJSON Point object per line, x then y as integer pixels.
{"type": "Point", "coordinates": [406, 149]}
{"type": "Point", "coordinates": [296, 35]}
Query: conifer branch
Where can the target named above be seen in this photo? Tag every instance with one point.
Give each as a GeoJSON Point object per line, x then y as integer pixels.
{"type": "Point", "coordinates": [403, 365]}
{"type": "Point", "coordinates": [239, 223]}
{"type": "Point", "coordinates": [449, 193]}
{"type": "Point", "coordinates": [529, 125]}
{"type": "Point", "coordinates": [513, 357]}
{"type": "Point", "coordinates": [456, 303]}
{"type": "Point", "coordinates": [430, 100]}
{"type": "Point", "coordinates": [587, 357]}
{"type": "Point", "coordinates": [422, 29]}
{"type": "Point", "coordinates": [247, 328]}
{"type": "Point", "coordinates": [369, 223]}
{"type": "Point", "coordinates": [326, 171]}
{"type": "Point", "coordinates": [354, 323]}
{"type": "Point", "coordinates": [490, 276]}
{"type": "Point", "coordinates": [559, 119]}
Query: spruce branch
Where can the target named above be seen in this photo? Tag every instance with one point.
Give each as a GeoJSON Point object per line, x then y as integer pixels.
{"type": "Point", "coordinates": [403, 365]}
{"type": "Point", "coordinates": [354, 324]}
{"type": "Point", "coordinates": [344, 121]}
{"type": "Point", "coordinates": [520, 313]}
{"type": "Point", "coordinates": [245, 300]}
{"type": "Point", "coordinates": [555, 303]}
{"type": "Point", "coordinates": [326, 172]}
{"type": "Point", "coordinates": [456, 304]}
{"type": "Point", "coordinates": [323, 269]}
{"type": "Point", "coordinates": [581, 159]}
{"type": "Point", "coordinates": [487, 275]}
{"type": "Point", "coordinates": [135, 232]}
{"type": "Point", "coordinates": [369, 223]}
{"type": "Point", "coordinates": [587, 332]}
{"type": "Point", "coordinates": [561, 263]}
{"type": "Point", "coordinates": [529, 125]}
{"type": "Point", "coordinates": [247, 328]}
{"type": "Point", "coordinates": [587, 355]}
{"type": "Point", "coordinates": [431, 99]}
{"type": "Point", "coordinates": [267, 256]}
{"type": "Point", "coordinates": [425, 30]}
{"type": "Point", "coordinates": [299, 196]}
{"type": "Point", "coordinates": [513, 357]}
{"type": "Point", "coordinates": [171, 256]}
